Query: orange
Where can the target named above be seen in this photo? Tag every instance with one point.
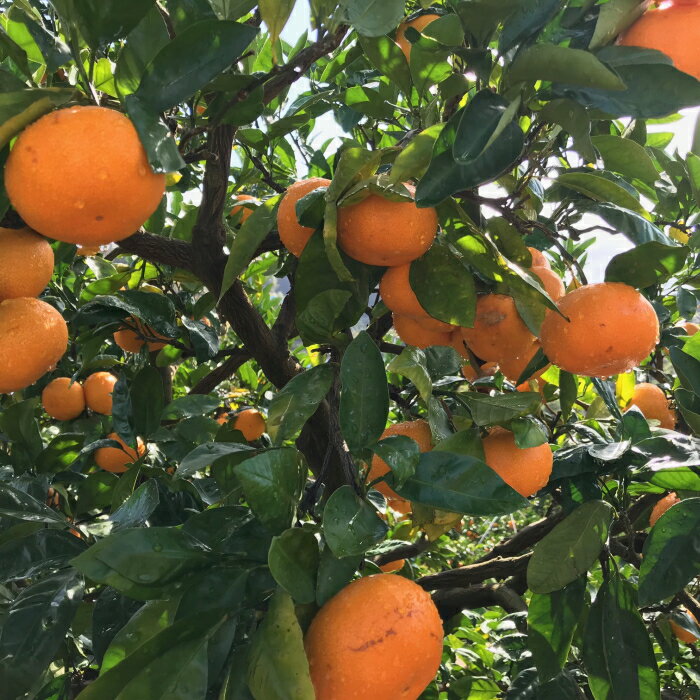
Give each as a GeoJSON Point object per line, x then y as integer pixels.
{"type": "Point", "coordinates": [132, 340]}
{"type": "Point", "coordinates": [63, 399]}
{"type": "Point", "coordinates": [412, 332]}
{"type": "Point", "coordinates": [377, 231]}
{"type": "Point", "coordinates": [87, 250]}
{"type": "Point", "coordinates": [498, 329]}
{"type": "Point", "coordinates": [661, 506]}
{"type": "Point", "coordinates": [115, 459]}
{"type": "Point", "coordinates": [379, 638]}
{"type": "Point", "coordinates": [538, 259]}
{"type": "Point", "coordinates": [419, 24]}
{"type": "Point", "coordinates": [245, 211]}
{"type": "Point", "coordinates": [652, 402]}
{"type": "Point", "coordinates": [417, 430]}
{"type": "Point", "coordinates": [551, 282]}
{"type": "Point", "coordinates": [293, 235]}
{"type": "Point", "coordinates": [514, 365]}
{"type": "Point", "coordinates": [81, 175]}
{"type": "Point", "coordinates": [26, 263]}
{"type": "Point", "coordinates": [690, 328]}
{"type": "Point", "coordinates": [525, 470]}
{"type": "Point", "coordinates": [488, 369]}
{"type": "Point", "coordinates": [610, 329]}
{"type": "Point", "coordinates": [457, 342]}
{"type": "Point", "coordinates": [681, 633]}
{"type": "Point", "coordinates": [392, 566]}
{"type": "Point", "coordinates": [98, 392]}
{"type": "Point", "coordinates": [673, 30]}
{"type": "Point", "coordinates": [33, 338]}
{"type": "Point", "coordinates": [251, 423]}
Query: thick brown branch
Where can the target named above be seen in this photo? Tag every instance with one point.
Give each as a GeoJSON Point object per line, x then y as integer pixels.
{"type": "Point", "coordinates": [475, 573]}
{"type": "Point", "coordinates": [159, 250]}
{"type": "Point", "coordinates": [208, 383]}
{"type": "Point", "coordinates": [410, 549]}
{"type": "Point", "coordinates": [451, 601]}
{"type": "Point", "coordinates": [525, 538]}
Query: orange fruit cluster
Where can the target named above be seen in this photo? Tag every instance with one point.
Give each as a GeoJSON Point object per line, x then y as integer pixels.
{"type": "Point", "coordinates": [673, 29]}
{"type": "Point", "coordinates": [107, 186]}
{"type": "Point", "coordinates": [379, 637]}
{"type": "Point", "coordinates": [64, 399]}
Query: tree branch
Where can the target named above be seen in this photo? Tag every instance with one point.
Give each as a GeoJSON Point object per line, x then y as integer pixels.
{"type": "Point", "coordinates": [525, 538]}
{"type": "Point", "coordinates": [208, 383]}
{"type": "Point", "coordinates": [475, 573]}
{"type": "Point", "coordinates": [157, 249]}
{"type": "Point", "coordinates": [451, 601]}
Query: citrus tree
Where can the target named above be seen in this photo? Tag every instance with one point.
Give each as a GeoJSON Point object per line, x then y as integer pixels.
{"type": "Point", "coordinates": [289, 415]}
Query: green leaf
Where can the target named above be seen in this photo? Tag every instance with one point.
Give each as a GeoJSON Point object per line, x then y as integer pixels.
{"type": "Point", "coordinates": [413, 160]}
{"type": "Point", "coordinates": [614, 17]}
{"type": "Point", "coordinates": [204, 455]}
{"type": "Point", "coordinates": [630, 224]}
{"type": "Point", "coordinates": [564, 65]}
{"type": "Point", "coordinates": [142, 562]}
{"type": "Point", "coordinates": [364, 393]}
{"type": "Point", "coordinates": [617, 651]}
{"type": "Point", "coordinates": [172, 664]}
{"type": "Point", "coordinates": [18, 504]}
{"type": "Point", "coordinates": [526, 22]}
{"type": "Point", "coordinates": [102, 23]}
{"type": "Point", "coordinates": [278, 669]}
{"type": "Point", "coordinates": [334, 574]}
{"type": "Point", "coordinates": [247, 239]}
{"type": "Point", "coordinates": [570, 549]}
{"type": "Point", "coordinates": [147, 401]}
{"type": "Point", "coordinates": [293, 560]}
{"type": "Point", "coordinates": [687, 369]}
{"type": "Point", "coordinates": [297, 401]}
{"type": "Point", "coordinates": [374, 17]}
{"type": "Point", "coordinates": [428, 64]}
{"type": "Point", "coordinates": [460, 484]}
{"type": "Point", "coordinates": [351, 525]}
{"type": "Point", "coordinates": [191, 60]}
{"type": "Point", "coordinates": [689, 405]}
{"type": "Point", "coordinates": [272, 482]}
{"type": "Point", "coordinates": [444, 286]}
{"type": "Point", "coordinates": [34, 626]}
{"type": "Point", "coordinates": [574, 119]}
{"type": "Point", "coordinates": [551, 622]}
{"type": "Point", "coordinates": [626, 157]}
{"type": "Point", "coordinates": [568, 391]}
{"type": "Point", "coordinates": [138, 507]}
{"type": "Point", "coordinates": [401, 453]}
{"type": "Point", "coordinates": [601, 189]}
{"type": "Point", "coordinates": [502, 408]}
{"type": "Point", "coordinates": [671, 555]}
{"type": "Point", "coordinates": [190, 405]}
{"type": "Point", "coordinates": [647, 264]}
{"type": "Point", "coordinates": [386, 56]}
{"type": "Point", "coordinates": [275, 14]}
{"type": "Point", "coordinates": [412, 363]}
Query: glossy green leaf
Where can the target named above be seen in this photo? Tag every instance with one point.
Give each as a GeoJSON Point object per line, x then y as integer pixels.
{"type": "Point", "coordinates": [334, 574]}
{"type": "Point", "coordinates": [647, 264]}
{"type": "Point", "coordinates": [412, 364]}
{"type": "Point", "coordinates": [689, 405]}
{"type": "Point", "coordinates": [671, 552]}
{"type": "Point", "coordinates": [297, 401]}
{"type": "Point", "coordinates": [364, 394]}
{"type": "Point", "coordinates": [614, 17]}
{"type": "Point", "coordinates": [502, 408]}
{"type": "Point", "coordinates": [374, 17]}
{"type": "Point", "coordinates": [687, 369]}
{"type": "Point", "coordinates": [574, 119]}
{"type": "Point", "coordinates": [460, 484]}
{"type": "Point", "coordinates": [350, 524]}
{"type": "Point", "coordinates": [275, 14]}
{"type": "Point", "coordinates": [401, 453]}
{"type": "Point", "coordinates": [413, 160]}
{"type": "Point", "coordinates": [626, 157]}
{"type": "Point", "coordinates": [526, 22]}
{"type": "Point", "coordinates": [137, 508]}
{"type": "Point", "coordinates": [630, 224]}
{"type": "Point", "coordinates": [20, 505]}
{"type": "Point", "coordinates": [551, 622]}
{"type": "Point", "coordinates": [272, 482]}
{"type": "Point", "coordinates": [293, 560]}
{"type": "Point", "coordinates": [147, 401]}
{"type": "Point", "coordinates": [564, 65]}
{"type": "Point", "coordinates": [570, 549]}
{"type": "Point", "coordinates": [617, 652]}
{"type": "Point", "coordinates": [206, 454]}
{"type": "Point", "coordinates": [278, 669]}
{"type": "Point", "coordinates": [386, 56]}
{"type": "Point", "coordinates": [601, 189]}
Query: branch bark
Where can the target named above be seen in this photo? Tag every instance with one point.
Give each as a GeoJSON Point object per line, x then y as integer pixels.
{"type": "Point", "coordinates": [475, 573]}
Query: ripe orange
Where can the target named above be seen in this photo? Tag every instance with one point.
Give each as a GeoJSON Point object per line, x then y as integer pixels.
{"type": "Point", "coordinates": [131, 340]}
{"type": "Point", "coordinates": [673, 30]}
{"type": "Point", "coordinates": [26, 263]}
{"type": "Point", "coordinates": [413, 332]}
{"type": "Point", "coordinates": [33, 338]}
{"type": "Point", "coordinates": [488, 369]}
{"type": "Point", "coordinates": [661, 506]}
{"type": "Point", "coordinates": [419, 24]}
{"type": "Point", "coordinates": [690, 328]}
{"type": "Point", "coordinates": [87, 250]}
{"type": "Point", "coordinates": [62, 399]}
{"type": "Point", "coordinates": [392, 566]}
{"type": "Point", "coordinates": [498, 329]}
{"type": "Point", "coordinates": [525, 470]}
{"type": "Point", "coordinates": [417, 430]}
{"type": "Point", "coordinates": [81, 175]}
{"type": "Point", "coordinates": [551, 282]}
{"type": "Point", "coordinates": [98, 392]}
{"type": "Point", "coordinates": [538, 259]}
{"type": "Point", "coordinates": [293, 235]}
{"type": "Point", "coordinates": [457, 342]}
{"type": "Point", "coordinates": [377, 231]}
{"type": "Point", "coordinates": [251, 423]}
{"type": "Point", "coordinates": [380, 637]}
{"type": "Point", "coordinates": [513, 366]}
{"type": "Point", "coordinates": [682, 634]}
{"type": "Point", "coordinates": [611, 329]}
{"type": "Point", "coordinates": [245, 211]}
{"type": "Point", "coordinates": [117, 460]}
{"type": "Point", "coordinates": [652, 402]}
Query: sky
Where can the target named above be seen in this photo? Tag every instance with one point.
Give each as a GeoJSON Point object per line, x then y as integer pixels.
{"type": "Point", "coordinates": [606, 245]}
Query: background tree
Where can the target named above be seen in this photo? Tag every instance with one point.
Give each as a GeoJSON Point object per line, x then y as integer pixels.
{"type": "Point", "coordinates": [239, 427]}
